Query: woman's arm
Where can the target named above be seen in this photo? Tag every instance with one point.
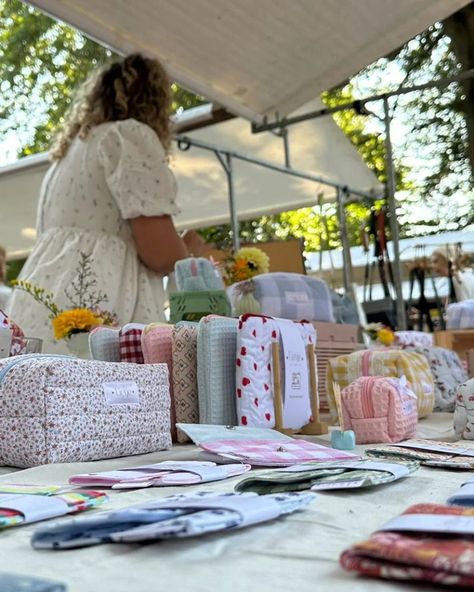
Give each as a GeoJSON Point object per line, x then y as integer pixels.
{"type": "Point", "coordinates": [157, 242]}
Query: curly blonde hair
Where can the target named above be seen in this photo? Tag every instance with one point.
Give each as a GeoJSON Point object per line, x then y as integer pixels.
{"type": "Point", "coordinates": [136, 87]}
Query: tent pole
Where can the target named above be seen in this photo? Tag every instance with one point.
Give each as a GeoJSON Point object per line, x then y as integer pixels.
{"type": "Point", "coordinates": [229, 171]}
{"type": "Point", "coordinates": [392, 208]}
{"type": "Point", "coordinates": [346, 249]}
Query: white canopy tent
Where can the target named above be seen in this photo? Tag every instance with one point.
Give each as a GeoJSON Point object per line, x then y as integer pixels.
{"type": "Point", "coordinates": [315, 146]}
{"type": "Point", "coordinates": [255, 57]}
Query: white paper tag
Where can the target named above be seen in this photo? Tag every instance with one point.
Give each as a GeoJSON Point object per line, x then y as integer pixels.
{"type": "Point", "coordinates": [34, 507]}
{"type": "Point", "coordinates": [296, 401]}
{"type": "Point", "coordinates": [337, 485]}
{"type": "Point", "coordinates": [6, 335]}
{"type": "Point", "coordinates": [431, 523]}
{"type": "Point", "coordinates": [296, 297]}
{"type": "Point", "coordinates": [121, 393]}
{"type": "Point", "coordinates": [437, 448]}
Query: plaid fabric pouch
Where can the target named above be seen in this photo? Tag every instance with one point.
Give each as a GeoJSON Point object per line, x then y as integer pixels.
{"type": "Point", "coordinates": [130, 339]}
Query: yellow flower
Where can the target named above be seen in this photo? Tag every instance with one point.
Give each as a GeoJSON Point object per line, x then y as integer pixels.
{"type": "Point", "coordinates": [257, 260]}
{"type": "Point", "coordinates": [74, 320]}
{"type": "Point", "coordinates": [386, 336]}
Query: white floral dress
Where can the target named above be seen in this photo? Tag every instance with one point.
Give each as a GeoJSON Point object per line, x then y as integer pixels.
{"type": "Point", "coordinates": [119, 172]}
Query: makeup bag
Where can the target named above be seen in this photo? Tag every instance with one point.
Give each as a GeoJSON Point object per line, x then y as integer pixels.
{"type": "Point", "coordinates": [59, 409]}
{"type": "Point", "coordinates": [104, 344]}
{"type": "Point", "coordinates": [216, 355]}
{"type": "Point", "coordinates": [460, 315]}
{"type": "Point", "coordinates": [379, 409]}
{"type": "Point", "coordinates": [130, 340]}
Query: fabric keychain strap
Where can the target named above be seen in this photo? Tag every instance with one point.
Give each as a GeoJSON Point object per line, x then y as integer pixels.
{"type": "Point", "coordinates": [252, 509]}
{"type": "Point", "coordinates": [34, 507]}
{"type": "Point", "coordinates": [435, 523]}
{"type": "Point", "coordinates": [437, 448]}
{"type": "Point", "coordinates": [396, 469]}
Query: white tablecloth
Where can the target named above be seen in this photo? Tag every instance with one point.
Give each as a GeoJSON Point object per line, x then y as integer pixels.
{"type": "Point", "coordinates": [299, 552]}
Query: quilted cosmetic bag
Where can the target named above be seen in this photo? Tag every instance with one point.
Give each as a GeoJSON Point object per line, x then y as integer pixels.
{"type": "Point", "coordinates": [156, 348]}
{"type": "Point", "coordinates": [216, 355]}
{"type": "Point", "coordinates": [197, 274]}
{"type": "Point", "coordinates": [379, 409]}
{"type": "Point", "coordinates": [383, 362]}
{"type": "Point", "coordinates": [448, 373]}
{"type": "Point", "coordinates": [184, 367]}
{"type": "Point", "coordinates": [254, 375]}
{"type": "Point", "coordinates": [104, 344]}
{"type": "Point", "coordinates": [413, 339]}
{"type": "Point", "coordinates": [130, 339]}
{"type": "Point", "coordinates": [460, 315]}
{"type": "Point", "coordinates": [291, 296]}
{"type": "Point", "coordinates": [59, 409]}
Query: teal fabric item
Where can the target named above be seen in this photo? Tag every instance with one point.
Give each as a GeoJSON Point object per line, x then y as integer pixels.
{"type": "Point", "coordinates": [216, 356]}
{"type": "Point", "coordinates": [197, 274]}
{"type": "Point", "coordinates": [17, 583]}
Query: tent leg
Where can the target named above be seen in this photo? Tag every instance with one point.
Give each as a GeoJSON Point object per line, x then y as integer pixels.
{"type": "Point", "coordinates": [234, 221]}
{"type": "Point", "coordinates": [392, 208]}
{"type": "Point", "coordinates": [346, 248]}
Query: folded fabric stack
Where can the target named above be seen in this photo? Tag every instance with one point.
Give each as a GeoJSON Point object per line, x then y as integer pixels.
{"type": "Point", "coordinates": [178, 516]}
{"type": "Point", "coordinates": [428, 542]}
{"type": "Point", "coordinates": [327, 476]}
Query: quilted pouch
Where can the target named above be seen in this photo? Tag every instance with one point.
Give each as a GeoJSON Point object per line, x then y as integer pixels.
{"type": "Point", "coordinates": [464, 411]}
{"type": "Point", "coordinates": [460, 315]}
{"type": "Point", "coordinates": [383, 362]}
{"type": "Point", "coordinates": [427, 543]}
{"type": "Point", "coordinates": [59, 409]}
{"type": "Point", "coordinates": [156, 349]}
{"type": "Point", "coordinates": [130, 339]}
{"type": "Point", "coordinates": [379, 409]}
{"type": "Point", "coordinates": [104, 344]}
{"type": "Point", "coordinates": [184, 368]}
{"type": "Point", "coordinates": [216, 355]}
{"type": "Point", "coordinates": [197, 274]}
{"type": "Point", "coordinates": [254, 379]}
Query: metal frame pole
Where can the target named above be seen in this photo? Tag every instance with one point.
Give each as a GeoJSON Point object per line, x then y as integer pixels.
{"type": "Point", "coordinates": [229, 171]}
{"type": "Point", "coordinates": [392, 208]}
{"type": "Point", "coordinates": [346, 248]}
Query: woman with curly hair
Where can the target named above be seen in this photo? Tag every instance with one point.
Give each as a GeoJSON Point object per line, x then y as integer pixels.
{"type": "Point", "coordinates": [109, 194]}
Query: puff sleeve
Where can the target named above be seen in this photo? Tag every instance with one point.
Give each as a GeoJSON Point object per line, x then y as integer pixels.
{"type": "Point", "coordinates": [136, 170]}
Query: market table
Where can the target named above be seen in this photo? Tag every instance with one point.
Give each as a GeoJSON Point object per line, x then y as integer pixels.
{"type": "Point", "coordinates": [298, 552]}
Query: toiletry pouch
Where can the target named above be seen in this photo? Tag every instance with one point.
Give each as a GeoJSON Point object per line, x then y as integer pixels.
{"type": "Point", "coordinates": [184, 368]}
{"type": "Point", "coordinates": [197, 274]}
{"type": "Point", "coordinates": [216, 355]}
{"type": "Point", "coordinates": [156, 348]}
{"type": "Point", "coordinates": [383, 362]}
{"type": "Point", "coordinates": [379, 409]}
{"type": "Point", "coordinates": [413, 339]}
{"type": "Point", "coordinates": [59, 409]}
{"type": "Point", "coordinates": [291, 296]}
{"type": "Point", "coordinates": [130, 339]}
{"type": "Point", "coordinates": [254, 376]}
{"type": "Point", "coordinates": [460, 315]}
{"type": "Point", "coordinates": [104, 344]}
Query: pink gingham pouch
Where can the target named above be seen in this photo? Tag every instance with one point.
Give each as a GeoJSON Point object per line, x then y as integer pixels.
{"type": "Point", "coordinates": [273, 453]}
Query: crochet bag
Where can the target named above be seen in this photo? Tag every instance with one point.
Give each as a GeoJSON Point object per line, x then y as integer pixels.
{"type": "Point", "coordinates": [59, 409]}
{"type": "Point", "coordinates": [379, 409]}
{"type": "Point", "coordinates": [383, 362]}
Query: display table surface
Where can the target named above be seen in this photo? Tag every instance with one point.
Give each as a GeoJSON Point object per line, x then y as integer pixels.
{"type": "Point", "coordinates": [299, 552]}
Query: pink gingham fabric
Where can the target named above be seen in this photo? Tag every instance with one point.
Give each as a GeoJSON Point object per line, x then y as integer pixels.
{"type": "Point", "coordinates": [275, 453]}
{"type": "Point", "coordinates": [131, 343]}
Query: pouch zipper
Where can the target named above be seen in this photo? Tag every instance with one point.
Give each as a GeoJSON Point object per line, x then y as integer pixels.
{"type": "Point", "coordinates": [26, 358]}
{"type": "Point", "coordinates": [365, 362]}
{"type": "Point", "coordinates": [367, 400]}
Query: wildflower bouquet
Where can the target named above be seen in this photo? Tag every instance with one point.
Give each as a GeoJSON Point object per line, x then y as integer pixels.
{"type": "Point", "coordinates": [379, 333]}
{"type": "Point", "coordinates": [244, 264]}
{"type": "Point", "coordinates": [84, 313]}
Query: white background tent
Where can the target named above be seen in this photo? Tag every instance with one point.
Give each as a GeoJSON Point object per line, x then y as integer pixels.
{"type": "Point", "coordinates": [317, 146]}
{"type": "Point", "coordinates": [255, 57]}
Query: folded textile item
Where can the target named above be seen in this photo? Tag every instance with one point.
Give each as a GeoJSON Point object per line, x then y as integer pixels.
{"type": "Point", "coordinates": [130, 339]}
{"type": "Point", "coordinates": [428, 452]}
{"type": "Point", "coordinates": [184, 377]}
{"type": "Point", "coordinates": [273, 453]}
{"type": "Point", "coordinates": [161, 475]}
{"type": "Point", "coordinates": [464, 496]}
{"type": "Point", "coordinates": [177, 516]}
{"type": "Point", "coordinates": [327, 476]}
{"type": "Point", "coordinates": [19, 583]}
{"type": "Point", "coordinates": [464, 411]}
{"type": "Point", "coordinates": [24, 508]}
{"type": "Point", "coordinates": [413, 339]}
{"type": "Point", "coordinates": [104, 344]}
{"type": "Point", "coordinates": [201, 432]}
{"type": "Point", "coordinates": [428, 542]}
